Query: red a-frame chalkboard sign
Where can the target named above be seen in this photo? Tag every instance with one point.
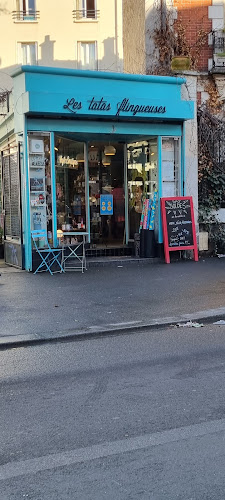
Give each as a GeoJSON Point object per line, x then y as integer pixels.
{"type": "Point", "coordinates": [178, 225]}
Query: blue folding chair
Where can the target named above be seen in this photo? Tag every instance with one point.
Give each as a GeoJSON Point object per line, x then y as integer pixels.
{"type": "Point", "coordinates": [48, 255]}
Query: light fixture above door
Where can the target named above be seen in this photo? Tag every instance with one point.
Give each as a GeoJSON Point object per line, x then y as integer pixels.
{"type": "Point", "coordinates": [80, 158]}
{"type": "Point", "coordinates": [106, 161]}
{"type": "Point", "coordinates": [109, 150]}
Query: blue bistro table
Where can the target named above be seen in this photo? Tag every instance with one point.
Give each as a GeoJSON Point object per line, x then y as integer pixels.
{"type": "Point", "coordinates": [73, 250]}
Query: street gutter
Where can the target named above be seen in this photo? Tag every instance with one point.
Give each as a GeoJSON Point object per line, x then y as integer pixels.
{"type": "Point", "coordinates": [94, 332]}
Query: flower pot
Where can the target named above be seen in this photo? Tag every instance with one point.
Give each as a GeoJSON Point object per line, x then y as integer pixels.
{"type": "Point", "coordinates": [180, 63]}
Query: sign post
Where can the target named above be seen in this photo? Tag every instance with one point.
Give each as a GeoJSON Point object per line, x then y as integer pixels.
{"type": "Point", "coordinates": [178, 225]}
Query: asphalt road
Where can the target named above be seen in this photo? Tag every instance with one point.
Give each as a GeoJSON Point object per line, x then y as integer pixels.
{"type": "Point", "coordinates": [127, 417]}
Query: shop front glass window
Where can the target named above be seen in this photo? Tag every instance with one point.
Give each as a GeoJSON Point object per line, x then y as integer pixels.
{"type": "Point", "coordinates": [70, 185]}
{"type": "Point", "coordinates": [40, 182]}
{"type": "Point", "coordinates": [171, 167]}
{"type": "Point", "coordinates": [142, 175]}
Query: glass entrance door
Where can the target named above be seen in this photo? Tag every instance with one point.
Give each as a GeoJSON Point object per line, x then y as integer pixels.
{"type": "Point", "coordinates": [106, 194]}
{"type": "Point", "coordinates": [142, 176]}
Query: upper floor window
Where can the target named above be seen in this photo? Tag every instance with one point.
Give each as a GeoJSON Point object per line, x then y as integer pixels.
{"type": "Point", "coordinates": [85, 9]}
{"type": "Point", "coordinates": [25, 10]}
{"type": "Point", "coordinates": [27, 53]}
{"type": "Point", "coordinates": [88, 8]}
{"type": "Point", "coordinates": [87, 55]}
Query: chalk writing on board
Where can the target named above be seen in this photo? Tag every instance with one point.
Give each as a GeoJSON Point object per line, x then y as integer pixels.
{"type": "Point", "coordinates": [179, 223]}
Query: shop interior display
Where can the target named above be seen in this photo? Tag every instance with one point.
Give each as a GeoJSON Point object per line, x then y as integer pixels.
{"type": "Point", "coordinates": [104, 174]}
{"type": "Point", "coordinates": [106, 177]}
{"type": "Point", "coordinates": [70, 185]}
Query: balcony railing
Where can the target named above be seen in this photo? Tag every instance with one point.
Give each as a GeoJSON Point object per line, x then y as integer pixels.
{"type": "Point", "coordinates": [85, 14]}
{"type": "Point", "coordinates": [218, 38]}
{"type": "Point", "coordinates": [28, 15]}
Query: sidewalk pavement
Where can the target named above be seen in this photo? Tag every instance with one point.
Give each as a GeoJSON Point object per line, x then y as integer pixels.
{"type": "Point", "coordinates": [108, 299]}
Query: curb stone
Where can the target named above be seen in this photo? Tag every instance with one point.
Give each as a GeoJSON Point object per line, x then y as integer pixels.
{"type": "Point", "coordinates": [16, 341]}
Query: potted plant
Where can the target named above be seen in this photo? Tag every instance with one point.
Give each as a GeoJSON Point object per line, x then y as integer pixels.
{"type": "Point", "coordinates": [1, 243]}
{"type": "Point", "coordinates": [180, 63]}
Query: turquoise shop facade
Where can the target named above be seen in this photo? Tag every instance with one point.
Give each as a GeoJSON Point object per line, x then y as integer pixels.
{"type": "Point", "coordinates": [93, 107]}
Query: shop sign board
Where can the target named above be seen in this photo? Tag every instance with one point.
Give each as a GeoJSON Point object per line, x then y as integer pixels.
{"type": "Point", "coordinates": [178, 225]}
{"type": "Point", "coordinates": [106, 204]}
{"type": "Point", "coordinates": [66, 92]}
{"type": "Point", "coordinates": [116, 106]}
{"type": "Point", "coordinates": [124, 106]}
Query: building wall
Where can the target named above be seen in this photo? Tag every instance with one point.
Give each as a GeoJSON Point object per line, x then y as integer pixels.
{"type": "Point", "coordinates": [152, 19]}
{"type": "Point", "coordinates": [189, 91]}
{"type": "Point", "coordinates": [194, 16]}
{"type": "Point", "coordinates": [134, 36]}
{"type": "Point", "coordinates": [57, 35]}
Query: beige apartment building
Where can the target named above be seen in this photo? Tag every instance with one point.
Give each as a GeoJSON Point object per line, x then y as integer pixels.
{"type": "Point", "coordinates": [103, 35]}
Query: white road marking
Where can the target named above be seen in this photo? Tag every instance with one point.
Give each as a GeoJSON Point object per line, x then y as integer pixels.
{"type": "Point", "coordinates": [48, 462]}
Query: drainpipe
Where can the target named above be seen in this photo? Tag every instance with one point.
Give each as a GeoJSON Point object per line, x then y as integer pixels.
{"type": "Point", "coordinates": [118, 34]}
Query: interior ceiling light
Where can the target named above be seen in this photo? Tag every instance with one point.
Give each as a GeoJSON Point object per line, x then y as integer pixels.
{"type": "Point", "coordinates": [80, 158]}
{"type": "Point", "coordinates": [106, 161]}
{"type": "Point", "coordinates": [152, 154]}
{"type": "Point", "coordinates": [109, 150]}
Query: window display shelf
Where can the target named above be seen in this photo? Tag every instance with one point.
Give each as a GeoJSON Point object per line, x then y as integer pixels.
{"type": "Point", "coordinates": [37, 167]}
{"type": "Point", "coordinates": [74, 233]}
{"type": "Point", "coordinates": [39, 206]}
{"type": "Point", "coordinates": [36, 192]}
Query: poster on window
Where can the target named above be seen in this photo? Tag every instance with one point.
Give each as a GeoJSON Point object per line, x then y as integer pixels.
{"type": "Point", "coordinates": [168, 171]}
{"type": "Point", "coordinates": [36, 184]}
{"type": "Point", "coordinates": [37, 146]}
{"type": "Point", "coordinates": [36, 160]}
{"type": "Point", "coordinates": [168, 146]}
{"type": "Point", "coordinates": [106, 204]}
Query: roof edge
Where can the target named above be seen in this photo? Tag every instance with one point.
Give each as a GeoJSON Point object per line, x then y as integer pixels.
{"type": "Point", "coordinates": [174, 80]}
